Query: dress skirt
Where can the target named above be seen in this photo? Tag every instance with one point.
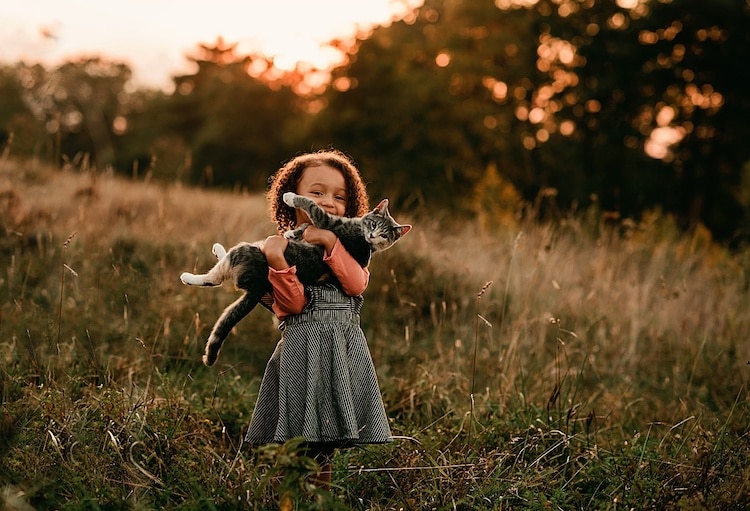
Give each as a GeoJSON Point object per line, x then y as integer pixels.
{"type": "Point", "coordinates": [320, 382]}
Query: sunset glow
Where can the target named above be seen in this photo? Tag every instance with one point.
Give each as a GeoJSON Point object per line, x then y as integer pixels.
{"type": "Point", "coordinates": [154, 36]}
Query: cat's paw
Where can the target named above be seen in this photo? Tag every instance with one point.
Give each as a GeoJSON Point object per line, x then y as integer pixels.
{"type": "Point", "coordinates": [218, 250]}
{"type": "Point", "coordinates": [189, 279]}
{"type": "Point", "coordinates": [296, 234]}
{"type": "Point", "coordinates": [288, 198]}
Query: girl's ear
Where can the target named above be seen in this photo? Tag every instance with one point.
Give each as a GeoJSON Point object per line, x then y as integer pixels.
{"type": "Point", "coordinates": [382, 207]}
{"type": "Point", "coordinates": [403, 229]}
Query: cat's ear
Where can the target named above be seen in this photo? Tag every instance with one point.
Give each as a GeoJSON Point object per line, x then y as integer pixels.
{"type": "Point", "coordinates": [402, 230]}
{"type": "Point", "coordinates": [382, 207]}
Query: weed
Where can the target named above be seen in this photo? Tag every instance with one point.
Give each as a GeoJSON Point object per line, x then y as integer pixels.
{"type": "Point", "coordinates": [604, 368]}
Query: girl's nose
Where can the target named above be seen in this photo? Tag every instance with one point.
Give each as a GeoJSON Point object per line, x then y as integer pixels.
{"type": "Point", "coordinates": [326, 201]}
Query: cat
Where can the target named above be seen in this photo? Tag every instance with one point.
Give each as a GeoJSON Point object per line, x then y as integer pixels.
{"type": "Point", "coordinates": [246, 266]}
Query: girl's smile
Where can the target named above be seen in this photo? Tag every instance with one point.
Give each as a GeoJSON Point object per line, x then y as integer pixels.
{"type": "Point", "coordinates": [326, 186]}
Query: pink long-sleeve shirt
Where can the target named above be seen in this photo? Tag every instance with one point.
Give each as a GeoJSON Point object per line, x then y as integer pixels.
{"type": "Point", "coordinates": [289, 293]}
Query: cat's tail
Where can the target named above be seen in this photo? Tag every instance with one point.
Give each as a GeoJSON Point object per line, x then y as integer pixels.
{"type": "Point", "coordinates": [228, 319]}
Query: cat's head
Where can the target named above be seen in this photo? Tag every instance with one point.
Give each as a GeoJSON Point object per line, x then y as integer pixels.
{"type": "Point", "coordinates": [380, 229]}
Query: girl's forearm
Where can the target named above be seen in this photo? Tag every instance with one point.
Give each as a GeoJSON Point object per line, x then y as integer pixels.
{"type": "Point", "coordinates": [321, 237]}
{"type": "Point", "coordinates": [277, 261]}
{"type": "Point", "coordinates": [273, 248]}
{"type": "Point", "coordinates": [352, 277]}
{"type": "Point", "coordinates": [288, 292]}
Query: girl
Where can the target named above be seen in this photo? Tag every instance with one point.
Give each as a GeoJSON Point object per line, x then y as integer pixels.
{"type": "Point", "coordinates": [320, 382]}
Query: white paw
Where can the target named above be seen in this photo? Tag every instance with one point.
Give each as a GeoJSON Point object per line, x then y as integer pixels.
{"type": "Point", "coordinates": [296, 234]}
{"type": "Point", "coordinates": [189, 279]}
{"type": "Point", "coordinates": [289, 198]}
{"type": "Point", "coordinates": [218, 250]}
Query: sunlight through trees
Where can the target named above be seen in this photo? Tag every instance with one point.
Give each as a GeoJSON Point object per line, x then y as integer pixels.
{"type": "Point", "coordinates": [631, 105]}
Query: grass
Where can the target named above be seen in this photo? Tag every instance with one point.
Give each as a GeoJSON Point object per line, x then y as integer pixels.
{"type": "Point", "coordinates": [602, 368]}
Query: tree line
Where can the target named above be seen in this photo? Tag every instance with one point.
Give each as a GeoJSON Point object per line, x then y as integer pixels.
{"type": "Point", "coordinates": [627, 106]}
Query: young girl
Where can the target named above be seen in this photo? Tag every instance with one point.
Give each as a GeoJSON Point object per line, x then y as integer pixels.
{"type": "Point", "coordinates": [320, 382]}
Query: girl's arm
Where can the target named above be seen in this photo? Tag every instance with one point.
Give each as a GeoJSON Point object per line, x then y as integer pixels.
{"type": "Point", "coordinates": [350, 274]}
{"type": "Point", "coordinates": [288, 292]}
{"type": "Point", "coordinates": [352, 277]}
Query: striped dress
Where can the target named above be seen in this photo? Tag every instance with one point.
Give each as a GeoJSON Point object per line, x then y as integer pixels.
{"type": "Point", "coordinates": [320, 382]}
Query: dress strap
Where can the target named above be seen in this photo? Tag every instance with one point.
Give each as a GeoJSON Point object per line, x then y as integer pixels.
{"type": "Point", "coordinates": [327, 302]}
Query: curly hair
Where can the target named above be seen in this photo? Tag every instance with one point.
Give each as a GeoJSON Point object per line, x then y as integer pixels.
{"type": "Point", "coordinates": [287, 177]}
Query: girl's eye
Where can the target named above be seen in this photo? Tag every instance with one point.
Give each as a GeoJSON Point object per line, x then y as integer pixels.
{"type": "Point", "coordinates": [341, 198]}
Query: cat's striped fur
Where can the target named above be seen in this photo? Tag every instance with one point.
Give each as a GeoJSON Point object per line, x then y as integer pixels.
{"type": "Point", "coordinates": [246, 266]}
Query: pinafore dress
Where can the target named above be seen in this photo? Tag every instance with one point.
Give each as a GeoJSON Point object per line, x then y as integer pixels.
{"type": "Point", "coordinates": [320, 382]}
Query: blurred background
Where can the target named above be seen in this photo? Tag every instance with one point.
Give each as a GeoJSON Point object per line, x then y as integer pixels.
{"type": "Point", "coordinates": [621, 107]}
{"type": "Point", "coordinates": [566, 328]}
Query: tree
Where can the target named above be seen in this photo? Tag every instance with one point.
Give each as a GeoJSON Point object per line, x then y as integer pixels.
{"type": "Point", "coordinates": [423, 102]}
{"type": "Point", "coordinates": [77, 104]}
{"type": "Point", "coordinates": [659, 118]}
{"type": "Point", "coordinates": [236, 125]}
{"type": "Point", "coordinates": [629, 103]}
{"type": "Point", "coordinates": [20, 132]}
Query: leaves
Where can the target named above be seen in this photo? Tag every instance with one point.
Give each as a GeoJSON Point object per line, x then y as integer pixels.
{"type": "Point", "coordinates": [623, 106]}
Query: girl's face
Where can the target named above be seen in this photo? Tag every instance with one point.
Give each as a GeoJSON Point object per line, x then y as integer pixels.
{"type": "Point", "coordinates": [326, 186]}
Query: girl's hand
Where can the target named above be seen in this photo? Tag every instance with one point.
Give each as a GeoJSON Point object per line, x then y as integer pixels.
{"type": "Point", "coordinates": [273, 248]}
{"type": "Point", "coordinates": [322, 237]}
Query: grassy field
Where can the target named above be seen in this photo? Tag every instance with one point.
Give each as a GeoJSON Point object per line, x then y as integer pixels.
{"type": "Point", "coordinates": [565, 366]}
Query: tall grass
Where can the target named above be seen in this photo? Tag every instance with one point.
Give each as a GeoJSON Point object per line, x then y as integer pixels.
{"type": "Point", "coordinates": [605, 367]}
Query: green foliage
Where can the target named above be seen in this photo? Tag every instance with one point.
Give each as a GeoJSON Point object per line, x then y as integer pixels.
{"type": "Point", "coordinates": [657, 66]}
{"type": "Point", "coordinates": [236, 126]}
{"type": "Point", "coordinates": [76, 106]}
{"type": "Point", "coordinates": [571, 96]}
{"type": "Point", "coordinates": [552, 368]}
{"type": "Point", "coordinates": [432, 145]}
{"type": "Point", "coordinates": [630, 108]}
{"type": "Point", "coordinates": [496, 201]}
{"type": "Point", "coordinates": [19, 130]}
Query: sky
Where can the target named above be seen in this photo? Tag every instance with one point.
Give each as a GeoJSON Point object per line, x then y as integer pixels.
{"type": "Point", "coordinates": [154, 36]}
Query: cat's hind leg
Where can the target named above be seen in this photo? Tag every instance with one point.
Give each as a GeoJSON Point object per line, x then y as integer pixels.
{"type": "Point", "coordinates": [215, 276]}
{"type": "Point", "coordinates": [218, 250]}
{"type": "Point", "coordinates": [190, 279]}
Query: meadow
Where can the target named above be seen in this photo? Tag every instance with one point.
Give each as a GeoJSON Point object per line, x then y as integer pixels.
{"type": "Point", "coordinates": [571, 364]}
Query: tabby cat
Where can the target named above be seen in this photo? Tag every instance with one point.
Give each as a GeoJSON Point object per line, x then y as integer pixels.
{"type": "Point", "coordinates": [246, 266]}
